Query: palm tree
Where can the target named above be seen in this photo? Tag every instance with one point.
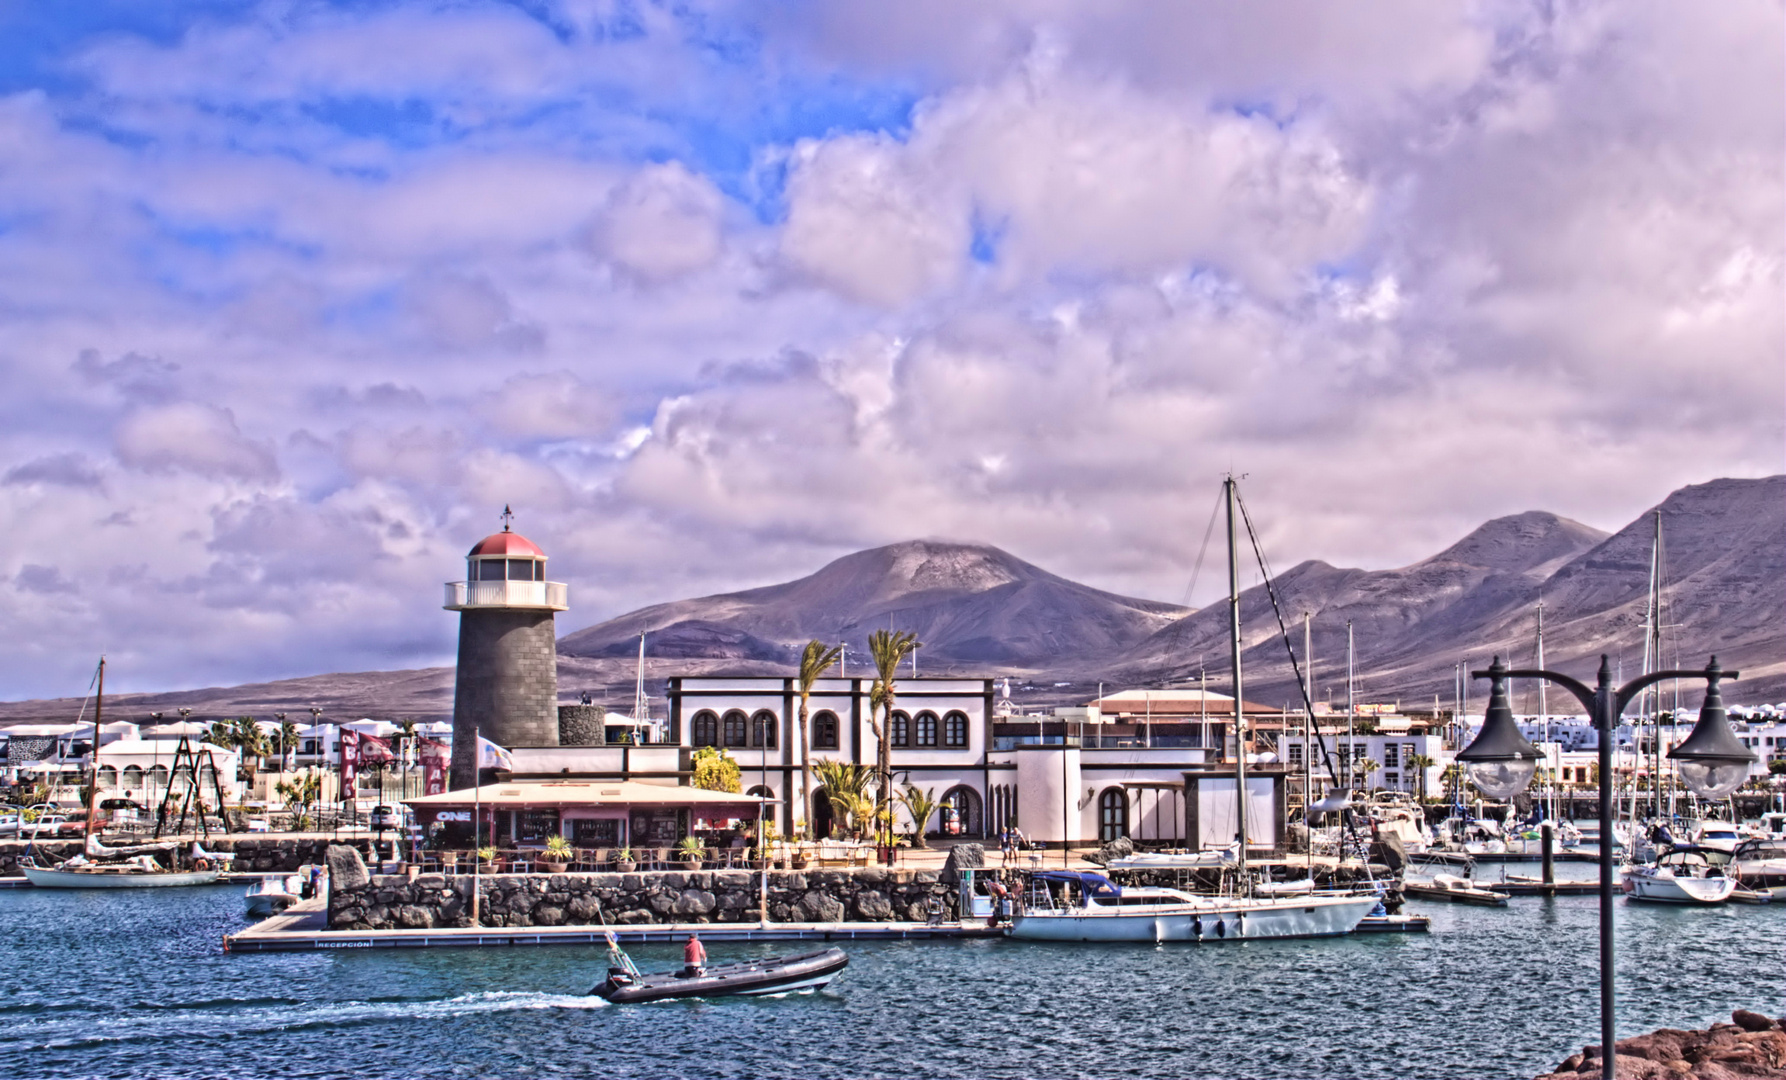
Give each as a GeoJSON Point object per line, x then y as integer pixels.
{"type": "Point", "coordinates": [1420, 763]}
{"type": "Point", "coordinates": [814, 662]}
{"type": "Point", "coordinates": [888, 648]}
{"type": "Point", "coordinates": [922, 806]}
{"type": "Point", "coordinates": [845, 784]}
{"type": "Point", "coordinates": [288, 742]}
{"type": "Point", "coordinates": [1368, 766]}
{"type": "Point", "coordinates": [252, 742]}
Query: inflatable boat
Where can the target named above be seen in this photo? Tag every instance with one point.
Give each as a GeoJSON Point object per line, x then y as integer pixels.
{"type": "Point", "coordinates": [625, 984]}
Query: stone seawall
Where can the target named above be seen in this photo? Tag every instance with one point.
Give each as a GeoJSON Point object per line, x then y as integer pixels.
{"type": "Point", "coordinates": [718, 896]}
{"type": "Point", "coordinates": [253, 854]}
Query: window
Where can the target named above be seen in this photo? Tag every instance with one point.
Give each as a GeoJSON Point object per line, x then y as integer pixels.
{"type": "Point", "coordinates": [762, 729]}
{"type": "Point", "coordinates": [600, 833]}
{"type": "Point", "coordinates": [736, 725]}
{"type": "Point", "coordinates": [522, 570]}
{"type": "Point", "coordinates": [824, 730]}
{"type": "Point", "coordinates": [1295, 753]}
{"type": "Point", "coordinates": [1391, 758]}
{"type": "Point", "coordinates": [489, 569]}
{"type": "Point", "coordinates": [1393, 780]}
{"type": "Point", "coordinates": [534, 826]}
{"type": "Point", "coordinates": [1113, 815]}
{"type": "Point", "coordinates": [955, 729]}
{"type": "Point", "coordinates": [926, 728]}
{"type": "Point", "coordinates": [108, 776]}
{"type": "Point", "coordinates": [706, 729]}
{"type": "Point", "coordinates": [133, 776]}
{"type": "Point", "coordinates": [899, 730]}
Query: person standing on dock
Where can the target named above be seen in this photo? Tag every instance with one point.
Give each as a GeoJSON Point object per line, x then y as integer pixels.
{"type": "Point", "coordinates": [694, 956]}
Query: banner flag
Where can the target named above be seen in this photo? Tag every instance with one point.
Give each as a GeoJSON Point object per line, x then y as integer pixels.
{"type": "Point", "coordinates": [436, 759]}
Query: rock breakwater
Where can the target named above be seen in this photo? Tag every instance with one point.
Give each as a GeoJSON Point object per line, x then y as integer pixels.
{"type": "Point", "coordinates": [1751, 1046]}
{"type": "Point", "coordinates": [719, 896]}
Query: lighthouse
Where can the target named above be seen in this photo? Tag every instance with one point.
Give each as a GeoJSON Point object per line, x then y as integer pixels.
{"type": "Point", "coordinates": [506, 687]}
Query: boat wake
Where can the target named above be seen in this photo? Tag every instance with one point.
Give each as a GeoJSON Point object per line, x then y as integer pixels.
{"type": "Point", "coordinates": [203, 1020]}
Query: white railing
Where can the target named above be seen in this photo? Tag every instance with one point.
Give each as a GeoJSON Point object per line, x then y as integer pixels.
{"type": "Point", "coordinates": [553, 595]}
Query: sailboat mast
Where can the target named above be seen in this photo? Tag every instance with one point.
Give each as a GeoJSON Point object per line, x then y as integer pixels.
{"type": "Point", "coordinates": [1234, 654]}
{"type": "Point", "coordinates": [1652, 659]}
{"type": "Point", "coordinates": [1351, 708]}
{"type": "Point", "coordinates": [1308, 725]}
{"type": "Point", "coordinates": [93, 785]}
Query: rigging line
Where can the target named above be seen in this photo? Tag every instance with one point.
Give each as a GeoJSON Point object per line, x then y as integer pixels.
{"type": "Point", "coordinates": [1348, 819]}
{"type": "Point", "coordinates": [1196, 571]}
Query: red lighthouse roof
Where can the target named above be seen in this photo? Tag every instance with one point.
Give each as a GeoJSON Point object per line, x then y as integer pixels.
{"type": "Point", "coordinates": [511, 544]}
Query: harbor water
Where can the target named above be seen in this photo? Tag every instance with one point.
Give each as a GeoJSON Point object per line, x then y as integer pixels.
{"type": "Point", "coordinates": [135, 983]}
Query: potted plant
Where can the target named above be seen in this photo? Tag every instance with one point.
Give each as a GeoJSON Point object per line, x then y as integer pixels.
{"type": "Point", "coordinates": [624, 863]}
{"type": "Point", "coordinates": [557, 855]}
{"type": "Point", "coordinates": [692, 851]}
{"type": "Point", "coordinates": [487, 856]}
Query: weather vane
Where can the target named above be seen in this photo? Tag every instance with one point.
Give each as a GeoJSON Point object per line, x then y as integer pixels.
{"type": "Point", "coordinates": [507, 516]}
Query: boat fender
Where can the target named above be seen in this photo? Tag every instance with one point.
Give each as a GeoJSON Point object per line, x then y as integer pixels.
{"type": "Point", "coordinates": [1221, 928]}
{"type": "Point", "coordinates": [1197, 925]}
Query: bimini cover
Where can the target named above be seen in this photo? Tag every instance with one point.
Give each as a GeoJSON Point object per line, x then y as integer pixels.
{"type": "Point", "coordinates": [1093, 884]}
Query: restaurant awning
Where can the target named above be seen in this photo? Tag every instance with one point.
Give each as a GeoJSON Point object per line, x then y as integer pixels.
{"type": "Point", "coordinates": [572, 793]}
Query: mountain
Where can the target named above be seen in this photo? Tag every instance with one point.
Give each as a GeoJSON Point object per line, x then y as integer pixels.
{"type": "Point", "coordinates": [970, 605]}
{"type": "Point", "coordinates": [981, 611]}
{"type": "Point", "coordinates": [1724, 563]}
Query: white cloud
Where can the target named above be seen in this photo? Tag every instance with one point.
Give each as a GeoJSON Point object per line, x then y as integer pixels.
{"type": "Point", "coordinates": [661, 224]}
{"type": "Point", "coordinates": [198, 438]}
{"type": "Point", "coordinates": [711, 296]}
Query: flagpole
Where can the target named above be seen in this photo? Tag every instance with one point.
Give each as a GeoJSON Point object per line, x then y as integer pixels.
{"type": "Point", "coordinates": [477, 816]}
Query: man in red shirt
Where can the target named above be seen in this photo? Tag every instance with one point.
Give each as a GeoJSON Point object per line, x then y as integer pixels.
{"type": "Point", "coordinates": [694, 956]}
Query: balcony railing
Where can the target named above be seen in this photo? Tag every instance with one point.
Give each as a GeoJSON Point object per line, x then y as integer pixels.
{"type": "Point", "coordinates": [546, 595]}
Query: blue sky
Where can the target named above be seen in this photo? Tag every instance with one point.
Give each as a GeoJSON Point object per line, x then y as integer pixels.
{"type": "Point", "coordinates": [297, 295]}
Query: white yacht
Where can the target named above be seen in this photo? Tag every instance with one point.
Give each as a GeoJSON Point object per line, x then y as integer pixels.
{"type": "Point", "coordinates": [1759, 866]}
{"type": "Point", "coordinates": [1684, 875]}
{"type": "Point", "coordinates": [1105, 911]}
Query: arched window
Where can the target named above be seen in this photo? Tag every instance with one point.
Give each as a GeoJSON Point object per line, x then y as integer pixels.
{"type": "Point", "coordinates": [1113, 814]}
{"type": "Point", "coordinates": [901, 729]}
{"type": "Point", "coordinates": [133, 777]}
{"type": "Point", "coordinates": [926, 728]}
{"type": "Point", "coordinates": [955, 729]}
{"type": "Point", "coordinates": [158, 776]}
{"type": "Point", "coordinates": [705, 729]}
{"type": "Point", "coordinates": [961, 812]}
{"type": "Point", "coordinates": [761, 792]}
{"type": "Point", "coordinates": [108, 776]}
{"type": "Point", "coordinates": [824, 731]}
{"type": "Point", "coordinates": [737, 726]}
{"type": "Point", "coordinates": [762, 729]}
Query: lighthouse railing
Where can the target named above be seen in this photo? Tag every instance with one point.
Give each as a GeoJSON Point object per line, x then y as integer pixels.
{"type": "Point", "coordinates": [522, 594]}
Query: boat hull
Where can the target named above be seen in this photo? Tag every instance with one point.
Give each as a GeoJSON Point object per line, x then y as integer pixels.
{"type": "Point", "coordinates": [1217, 920]}
{"type": "Point", "coordinates": [775, 975]}
{"type": "Point", "coordinates": [100, 879]}
{"type": "Point", "coordinates": [1665, 888]}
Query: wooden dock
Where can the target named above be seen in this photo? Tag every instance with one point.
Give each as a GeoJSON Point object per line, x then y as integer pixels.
{"type": "Point", "coordinates": [303, 929]}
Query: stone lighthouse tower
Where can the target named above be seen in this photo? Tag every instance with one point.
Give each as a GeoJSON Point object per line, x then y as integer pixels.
{"type": "Point", "coordinates": [507, 683]}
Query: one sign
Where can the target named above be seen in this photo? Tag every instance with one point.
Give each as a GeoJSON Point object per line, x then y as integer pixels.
{"type": "Point", "coordinates": [453, 815]}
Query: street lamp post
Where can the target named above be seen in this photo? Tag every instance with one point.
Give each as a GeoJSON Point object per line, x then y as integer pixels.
{"type": "Point", "coordinates": [1501, 763]}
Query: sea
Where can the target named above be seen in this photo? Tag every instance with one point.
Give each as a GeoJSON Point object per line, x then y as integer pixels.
{"type": "Point", "coordinates": [136, 984]}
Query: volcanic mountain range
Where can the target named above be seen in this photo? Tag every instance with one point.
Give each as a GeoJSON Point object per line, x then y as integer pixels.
{"type": "Point", "coordinates": [982, 611]}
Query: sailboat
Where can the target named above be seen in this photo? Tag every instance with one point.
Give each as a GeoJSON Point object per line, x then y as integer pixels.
{"type": "Point", "coordinates": [134, 867]}
{"type": "Point", "coordinates": [1105, 911]}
